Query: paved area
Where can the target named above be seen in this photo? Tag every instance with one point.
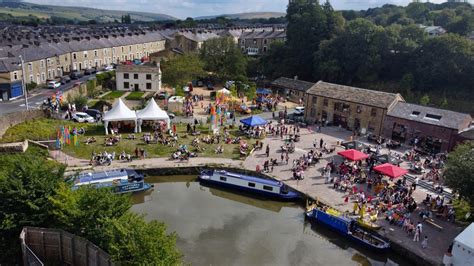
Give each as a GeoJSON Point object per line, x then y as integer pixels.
{"type": "Point", "coordinates": [312, 185]}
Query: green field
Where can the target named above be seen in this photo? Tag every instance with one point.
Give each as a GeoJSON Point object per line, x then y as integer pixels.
{"type": "Point", "coordinates": [135, 96]}
{"type": "Point", "coordinates": [113, 95]}
{"type": "Point", "coordinates": [46, 129]}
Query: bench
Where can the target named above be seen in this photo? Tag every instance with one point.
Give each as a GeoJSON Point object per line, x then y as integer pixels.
{"type": "Point", "coordinates": [430, 221]}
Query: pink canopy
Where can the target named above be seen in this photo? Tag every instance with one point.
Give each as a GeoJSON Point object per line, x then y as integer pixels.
{"type": "Point", "coordinates": [353, 155]}
{"type": "Point", "coordinates": [390, 170]}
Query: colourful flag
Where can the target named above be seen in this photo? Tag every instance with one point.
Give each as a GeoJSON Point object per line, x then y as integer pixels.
{"type": "Point", "coordinates": [76, 142]}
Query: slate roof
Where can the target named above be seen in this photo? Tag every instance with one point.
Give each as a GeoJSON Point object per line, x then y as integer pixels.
{"type": "Point", "coordinates": [356, 95]}
{"type": "Point", "coordinates": [138, 69]}
{"type": "Point", "coordinates": [447, 119]}
{"type": "Point", "coordinates": [292, 84]}
{"type": "Point", "coordinates": [263, 34]}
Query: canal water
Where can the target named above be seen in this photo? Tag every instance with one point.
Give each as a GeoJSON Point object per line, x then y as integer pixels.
{"type": "Point", "coordinates": [219, 227]}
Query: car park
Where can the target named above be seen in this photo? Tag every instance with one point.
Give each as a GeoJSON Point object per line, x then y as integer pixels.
{"type": "Point", "coordinates": [53, 84]}
{"type": "Point", "coordinates": [82, 118]}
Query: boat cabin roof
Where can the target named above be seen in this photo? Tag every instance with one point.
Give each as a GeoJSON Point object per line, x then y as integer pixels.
{"type": "Point", "coordinates": [117, 174]}
{"type": "Point", "coordinates": [259, 180]}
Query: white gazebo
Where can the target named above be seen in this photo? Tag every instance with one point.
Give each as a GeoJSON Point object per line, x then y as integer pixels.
{"type": "Point", "coordinates": [152, 112]}
{"type": "Point", "coordinates": [119, 112]}
{"type": "Point", "coordinates": [224, 91]}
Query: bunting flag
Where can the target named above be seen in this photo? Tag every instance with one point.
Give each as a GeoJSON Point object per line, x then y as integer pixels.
{"type": "Point", "coordinates": [76, 142]}
{"type": "Point", "coordinates": [62, 137]}
{"type": "Point", "coordinates": [58, 139]}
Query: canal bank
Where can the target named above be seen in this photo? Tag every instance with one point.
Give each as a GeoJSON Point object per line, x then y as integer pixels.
{"type": "Point", "coordinates": [397, 246]}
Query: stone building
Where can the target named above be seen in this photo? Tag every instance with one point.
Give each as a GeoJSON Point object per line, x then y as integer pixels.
{"type": "Point", "coordinates": [257, 42]}
{"type": "Point", "coordinates": [292, 89]}
{"type": "Point", "coordinates": [58, 54]}
{"type": "Point", "coordinates": [437, 130]}
{"type": "Point", "coordinates": [138, 77]}
{"type": "Point", "coordinates": [353, 108]}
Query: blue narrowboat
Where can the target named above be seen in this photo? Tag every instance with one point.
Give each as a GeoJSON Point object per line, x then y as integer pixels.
{"type": "Point", "coordinates": [349, 228]}
{"type": "Point", "coordinates": [121, 181]}
{"type": "Point", "coordinates": [256, 185]}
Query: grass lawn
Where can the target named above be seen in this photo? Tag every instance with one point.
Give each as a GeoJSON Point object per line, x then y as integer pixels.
{"type": "Point", "coordinates": [113, 95]}
{"type": "Point", "coordinates": [135, 96]}
{"type": "Point", "coordinates": [46, 129]}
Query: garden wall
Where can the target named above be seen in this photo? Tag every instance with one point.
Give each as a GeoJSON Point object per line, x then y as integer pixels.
{"type": "Point", "coordinates": [9, 120]}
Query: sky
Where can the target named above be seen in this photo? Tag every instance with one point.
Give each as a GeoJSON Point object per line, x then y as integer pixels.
{"type": "Point", "coordinates": [195, 8]}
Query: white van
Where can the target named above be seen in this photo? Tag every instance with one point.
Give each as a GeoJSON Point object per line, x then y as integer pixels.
{"type": "Point", "coordinates": [299, 109]}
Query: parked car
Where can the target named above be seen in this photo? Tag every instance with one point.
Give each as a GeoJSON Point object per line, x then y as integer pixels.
{"type": "Point", "coordinates": [210, 86]}
{"type": "Point", "coordinates": [53, 84]}
{"type": "Point", "coordinates": [94, 113]}
{"type": "Point", "coordinates": [65, 79]}
{"type": "Point", "coordinates": [82, 118]}
{"type": "Point", "coordinates": [76, 74]}
{"type": "Point", "coordinates": [299, 109]}
{"type": "Point", "coordinates": [108, 68]}
{"type": "Point", "coordinates": [171, 115]}
{"type": "Point", "coordinates": [90, 71]}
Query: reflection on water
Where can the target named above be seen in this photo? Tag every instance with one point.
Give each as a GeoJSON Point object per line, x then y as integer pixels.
{"type": "Point", "coordinates": [217, 227]}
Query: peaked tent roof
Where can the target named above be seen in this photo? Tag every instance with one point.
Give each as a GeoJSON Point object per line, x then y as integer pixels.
{"type": "Point", "coordinates": [224, 90]}
{"type": "Point", "coordinates": [253, 121]}
{"type": "Point", "coordinates": [120, 112]}
{"type": "Point", "coordinates": [152, 112]}
{"type": "Point", "coordinates": [353, 155]}
{"type": "Point", "coordinates": [466, 237]}
{"type": "Point", "coordinates": [390, 170]}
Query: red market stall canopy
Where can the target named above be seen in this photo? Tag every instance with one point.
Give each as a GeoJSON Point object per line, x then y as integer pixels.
{"type": "Point", "coordinates": [353, 155]}
{"type": "Point", "coordinates": [390, 170]}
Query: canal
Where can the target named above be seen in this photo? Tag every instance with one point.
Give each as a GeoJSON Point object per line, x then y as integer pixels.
{"type": "Point", "coordinates": [219, 227]}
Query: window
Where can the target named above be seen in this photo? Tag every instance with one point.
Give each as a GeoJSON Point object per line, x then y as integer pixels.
{"type": "Point", "coordinates": [85, 54]}
{"type": "Point", "coordinates": [433, 117]}
{"type": "Point", "coordinates": [130, 48]}
{"type": "Point", "coordinates": [31, 78]}
{"type": "Point", "coordinates": [30, 67]}
{"type": "Point", "coordinates": [223, 178]}
{"type": "Point", "coordinates": [415, 113]}
{"type": "Point", "coordinates": [254, 41]}
{"type": "Point", "coordinates": [95, 53]}
{"type": "Point", "coordinates": [313, 112]}
{"type": "Point", "coordinates": [325, 102]}
{"type": "Point", "coordinates": [135, 76]}
{"type": "Point", "coordinates": [122, 49]}
{"type": "Point", "coordinates": [125, 76]}
{"type": "Point", "coordinates": [42, 64]}
{"type": "Point", "coordinates": [148, 76]}
{"type": "Point", "coordinates": [148, 86]}
{"type": "Point", "coordinates": [138, 47]}
{"type": "Point", "coordinates": [126, 85]}
{"type": "Point", "coordinates": [268, 188]}
{"type": "Point", "coordinates": [314, 99]}
{"type": "Point", "coordinates": [43, 77]}
{"type": "Point", "coordinates": [242, 42]}
{"type": "Point", "coordinates": [15, 75]}
{"type": "Point", "coordinates": [74, 56]}
{"type": "Point", "coordinates": [264, 49]}
{"type": "Point", "coordinates": [359, 109]}
{"type": "Point", "coordinates": [251, 184]}
{"type": "Point", "coordinates": [373, 112]}
{"type": "Point", "coordinates": [265, 41]}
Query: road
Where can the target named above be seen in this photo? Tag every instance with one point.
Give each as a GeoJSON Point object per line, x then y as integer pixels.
{"type": "Point", "coordinates": [36, 98]}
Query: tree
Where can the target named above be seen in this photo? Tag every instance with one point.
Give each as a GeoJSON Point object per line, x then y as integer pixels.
{"type": "Point", "coordinates": [74, 213]}
{"type": "Point", "coordinates": [26, 182]}
{"type": "Point", "coordinates": [222, 57]}
{"type": "Point", "coordinates": [459, 172]}
{"type": "Point", "coordinates": [425, 100]}
{"type": "Point", "coordinates": [417, 11]}
{"type": "Point", "coordinates": [180, 70]}
{"type": "Point", "coordinates": [133, 241]}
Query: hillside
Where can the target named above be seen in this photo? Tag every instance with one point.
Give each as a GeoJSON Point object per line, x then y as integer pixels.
{"type": "Point", "coordinates": [249, 15]}
{"type": "Point", "coordinates": [22, 9]}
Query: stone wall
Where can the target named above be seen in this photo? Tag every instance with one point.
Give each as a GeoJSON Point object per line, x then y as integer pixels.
{"type": "Point", "coordinates": [9, 120]}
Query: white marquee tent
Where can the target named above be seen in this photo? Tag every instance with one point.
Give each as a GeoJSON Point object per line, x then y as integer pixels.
{"type": "Point", "coordinates": [224, 91]}
{"type": "Point", "coordinates": [152, 112]}
{"type": "Point", "coordinates": [119, 112]}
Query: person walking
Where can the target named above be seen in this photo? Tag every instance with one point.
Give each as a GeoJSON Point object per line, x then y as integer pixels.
{"type": "Point", "coordinates": [287, 158]}
{"type": "Point", "coordinates": [321, 142]}
{"type": "Point", "coordinates": [267, 150]}
{"type": "Point", "coordinates": [424, 243]}
{"type": "Point", "coordinates": [416, 237]}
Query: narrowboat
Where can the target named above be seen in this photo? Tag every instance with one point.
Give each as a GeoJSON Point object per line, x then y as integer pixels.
{"type": "Point", "coordinates": [121, 181]}
{"type": "Point", "coordinates": [251, 184]}
{"type": "Point", "coordinates": [349, 228]}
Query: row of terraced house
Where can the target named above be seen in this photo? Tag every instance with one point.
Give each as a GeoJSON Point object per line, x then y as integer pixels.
{"type": "Point", "coordinates": [48, 54]}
